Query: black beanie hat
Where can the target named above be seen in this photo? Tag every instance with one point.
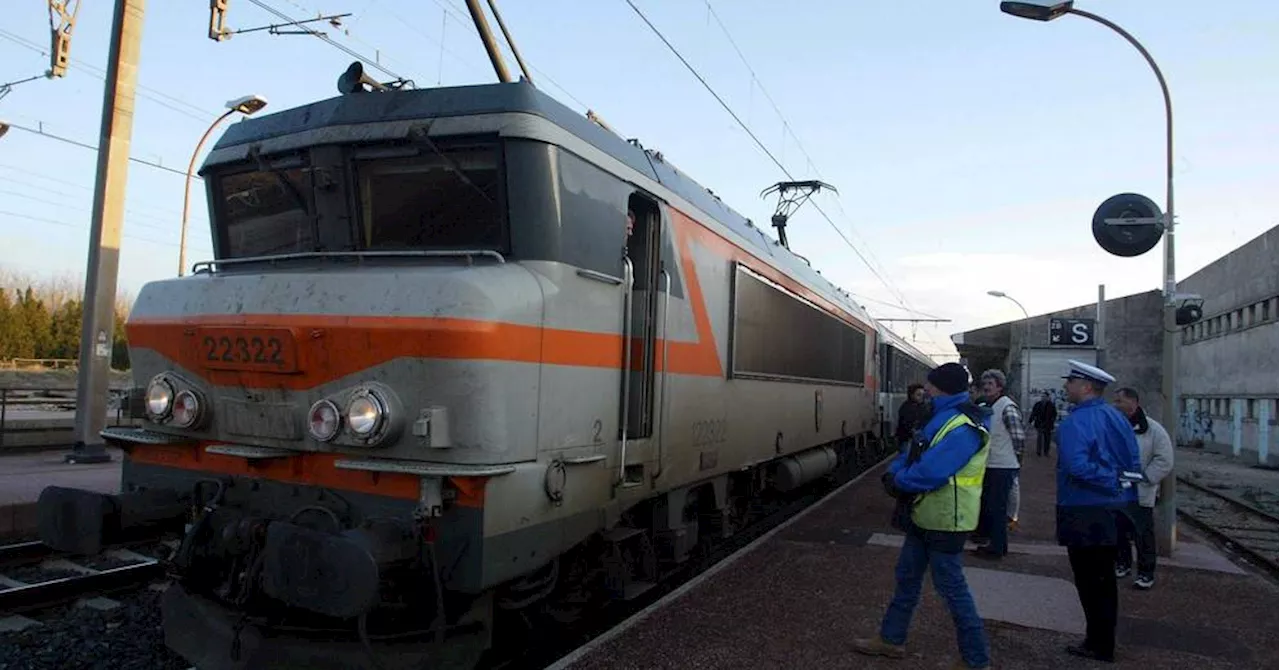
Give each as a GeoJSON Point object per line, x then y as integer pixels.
{"type": "Point", "coordinates": [950, 378]}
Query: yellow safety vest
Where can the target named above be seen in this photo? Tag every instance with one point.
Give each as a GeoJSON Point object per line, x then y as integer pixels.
{"type": "Point", "coordinates": [954, 506]}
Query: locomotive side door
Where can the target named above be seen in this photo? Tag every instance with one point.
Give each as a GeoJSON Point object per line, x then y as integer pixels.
{"type": "Point", "coordinates": [644, 291]}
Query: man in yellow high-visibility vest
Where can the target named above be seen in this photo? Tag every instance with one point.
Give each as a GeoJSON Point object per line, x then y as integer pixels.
{"type": "Point", "coordinates": [940, 476]}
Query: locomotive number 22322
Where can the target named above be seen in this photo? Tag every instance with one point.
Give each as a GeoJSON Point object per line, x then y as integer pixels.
{"type": "Point", "coordinates": [247, 349]}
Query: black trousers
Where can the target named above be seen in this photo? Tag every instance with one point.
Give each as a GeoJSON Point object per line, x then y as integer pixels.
{"type": "Point", "coordinates": [993, 514]}
{"type": "Point", "coordinates": [1094, 571]}
{"type": "Point", "coordinates": [1043, 439]}
{"type": "Point", "coordinates": [1137, 526]}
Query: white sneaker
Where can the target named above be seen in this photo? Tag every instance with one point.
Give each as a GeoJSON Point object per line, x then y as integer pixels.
{"type": "Point", "coordinates": [1144, 582]}
{"type": "Point", "coordinates": [1122, 572]}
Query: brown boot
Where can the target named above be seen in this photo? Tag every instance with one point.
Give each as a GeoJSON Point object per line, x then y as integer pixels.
{"type": "Point", "coordinates": [876, 646]}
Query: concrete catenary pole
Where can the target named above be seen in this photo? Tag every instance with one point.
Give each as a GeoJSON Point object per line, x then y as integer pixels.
{"type": "Point", "coordinates": [98, 321]}
{"type": "Point", "coordinates": [1100, 336]}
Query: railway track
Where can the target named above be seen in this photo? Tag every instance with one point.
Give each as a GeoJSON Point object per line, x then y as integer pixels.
{"type": "Point", "coordinates": [33, 576]}
{"type": "Point", "coordinates": [1240, 526]}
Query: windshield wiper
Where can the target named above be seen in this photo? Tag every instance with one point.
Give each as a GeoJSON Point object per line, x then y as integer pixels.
{"type": "Point", "coordinates": [278, 173]}
{"type": "Point", "coordinates": [422, 133]}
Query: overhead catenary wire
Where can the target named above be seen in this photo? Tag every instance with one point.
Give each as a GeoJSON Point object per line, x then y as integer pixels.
{"type": "Point", "coordinates": [452, 12]}
{"type": "Point", "coordinates": [154, 224]}
{"type": "Point", "coordinates": [787, 130]}
{"type": "Point", "coordinates": [68, 224]}
{"type": "Point", "coordinates": [43, 133]}
{"type": "Point", "coordinates": [371, 62]}
{"type": "Point", "coordinates": [157, 96]}
{"type": "Point", "coordinates": [25, 174]}
{"type": "Point", "coordinates": [755, 139]}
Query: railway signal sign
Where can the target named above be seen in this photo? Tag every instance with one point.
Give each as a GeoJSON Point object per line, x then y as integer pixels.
{"type": "Point", "coordinates": [1128, 224]}
{"type": "Point", "coordinates": [1071, 332]}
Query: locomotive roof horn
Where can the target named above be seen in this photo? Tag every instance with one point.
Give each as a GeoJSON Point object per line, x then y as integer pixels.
{"type": "Point", "coordinates": [791, 195]}
{"type": "Point", "coordinates": [355, 79]}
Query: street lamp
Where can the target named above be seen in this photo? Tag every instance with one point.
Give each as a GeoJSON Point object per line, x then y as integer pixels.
{"type": "Point", "coordinates": [1026, 389]}
{"type": "Point", "coordinates": [246, 105]}
{"type": "Point", "coordinates": [1029, 10]}
{"type": "Point", "coordinates": [4, 128]}
{"type": "Point", "coordinates": [1165, 535]}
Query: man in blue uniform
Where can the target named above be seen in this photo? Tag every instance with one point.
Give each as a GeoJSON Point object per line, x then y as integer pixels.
{"type": "Point", "coordinates": [1098, 469]}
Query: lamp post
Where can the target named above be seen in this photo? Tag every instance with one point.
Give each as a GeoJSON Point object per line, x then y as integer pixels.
{"type": "Point", "coordinates": [1026, 391]}
{"type": "Point", "coordinates": [246, 105]}
{"type": "Point", "coordinates": [1166, 506]}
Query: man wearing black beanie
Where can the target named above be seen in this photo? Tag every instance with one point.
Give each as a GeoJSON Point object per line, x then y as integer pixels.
{"type": "Point", "coordinates": [950, 378]}
{"type": "Point", "coordinates": [940, 477]}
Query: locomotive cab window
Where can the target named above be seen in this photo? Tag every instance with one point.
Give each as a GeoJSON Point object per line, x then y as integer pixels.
{"type": "Point", "coordinates": [265, 212]}
{"type": "Point", "coordinates": [445, 199]}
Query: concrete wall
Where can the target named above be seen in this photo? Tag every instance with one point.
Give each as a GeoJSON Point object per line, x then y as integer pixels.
{"type": "Point", "coordinates": [1228, 361]}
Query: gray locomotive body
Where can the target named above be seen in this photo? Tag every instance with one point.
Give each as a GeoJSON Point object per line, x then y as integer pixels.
{"type": "Point", "coordinates": [430, 376]}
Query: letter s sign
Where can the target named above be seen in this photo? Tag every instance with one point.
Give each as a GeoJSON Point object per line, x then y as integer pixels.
{"type": "Point", "coordinates": [1079, 333]}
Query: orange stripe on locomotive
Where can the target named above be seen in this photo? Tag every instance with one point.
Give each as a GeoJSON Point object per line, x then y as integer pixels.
{"type": "Point", "coordinates": [332, 347]}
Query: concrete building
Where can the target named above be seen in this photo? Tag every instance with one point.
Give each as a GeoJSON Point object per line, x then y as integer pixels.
{"type": "Point", "coordinates": [1228, 363]}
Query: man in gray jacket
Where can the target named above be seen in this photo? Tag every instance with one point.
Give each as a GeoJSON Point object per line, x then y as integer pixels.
{"type": "Point", "coordinates": [1157, 462]}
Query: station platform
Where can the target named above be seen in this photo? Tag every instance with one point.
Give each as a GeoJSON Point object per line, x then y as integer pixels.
{"type": "Point", "coordinates": [24, 475]}
{"type": "Point", "coordinates": [798, 596]}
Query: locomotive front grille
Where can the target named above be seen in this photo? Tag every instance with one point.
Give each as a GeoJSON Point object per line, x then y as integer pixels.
{"type": "Point", "coordinates": [260, 419]}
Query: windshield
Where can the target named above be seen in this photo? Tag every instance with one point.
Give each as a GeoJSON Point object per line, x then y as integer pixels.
{"type": "Point", "coordinates": [266, 212]}
{"type": "Point", "coordinates": [443, 198]}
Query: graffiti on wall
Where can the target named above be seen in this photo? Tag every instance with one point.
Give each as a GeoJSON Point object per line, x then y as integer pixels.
{"type": "Point", "coordinates": [1195, 427]}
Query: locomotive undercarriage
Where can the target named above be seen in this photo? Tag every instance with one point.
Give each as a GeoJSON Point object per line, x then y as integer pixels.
{"type": "Point", "coordinates": [273, 574]}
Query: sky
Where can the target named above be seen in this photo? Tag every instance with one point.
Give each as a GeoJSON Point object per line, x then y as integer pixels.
{"type": "Point", "coordinates": [969, 148]}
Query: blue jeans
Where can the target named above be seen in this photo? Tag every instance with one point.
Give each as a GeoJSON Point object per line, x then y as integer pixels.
{"type": "Point", "coordinates": [921, 551]}
{"type": "Point", "coordinates": [995, 507]}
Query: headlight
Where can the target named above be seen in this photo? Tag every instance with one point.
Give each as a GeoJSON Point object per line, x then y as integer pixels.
{"type": "Point", "coordinates": [159, 398]}
{"type": "Point", "coordinates": [186, 409]}
{"type": "Point", "coordinates": [323, 421]}
{"type": "Point", "coordinates": [365, 414]}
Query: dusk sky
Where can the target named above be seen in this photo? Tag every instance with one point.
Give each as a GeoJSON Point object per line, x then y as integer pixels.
{"type": "Point", "coordinates": [970, 148]}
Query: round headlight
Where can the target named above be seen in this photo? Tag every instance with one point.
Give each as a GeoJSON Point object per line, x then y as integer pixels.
{"type": "Point", "coordinates": [324, 421]}
{"type": "Point", "coordinates": [186, 409]}
{"type": "Point", "coordinates": [159, 398]}
{"type": "Point", "coordinates": [365, 414]}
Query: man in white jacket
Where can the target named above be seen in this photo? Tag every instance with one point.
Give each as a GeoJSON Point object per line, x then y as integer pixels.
{"type": "Point", "coordinates": [1157, 462]}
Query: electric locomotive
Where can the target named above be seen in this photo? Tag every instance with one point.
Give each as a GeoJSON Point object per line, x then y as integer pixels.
{"type": "Point", "coordinates": [462, 352]}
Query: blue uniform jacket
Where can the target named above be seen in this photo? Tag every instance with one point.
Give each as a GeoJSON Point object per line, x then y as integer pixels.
{"type": "Point", "coordinates": [1095, 443]}
{"type": "Point", "coordinates": [939, 462]}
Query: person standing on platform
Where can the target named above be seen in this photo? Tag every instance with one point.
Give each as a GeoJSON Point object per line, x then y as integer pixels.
{"type": "Point", "coordinates": [912, 415]}
{"type": "Point", "coordinates": [1098, 469]}
{"type": "Point", "coordinates": [940, 476]}
{"type": "Point", "coordinates": [1043, 416]}
{"type": "Point", "coordinates": [1156, 453]}
{"type": "Point", "coordinates": [1007, 439]}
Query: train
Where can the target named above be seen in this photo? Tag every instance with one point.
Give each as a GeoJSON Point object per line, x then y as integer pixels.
{"type": "Point", "coordinates": [901, 365]}
{"type": "Point", "coordinates": [464, 354]}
